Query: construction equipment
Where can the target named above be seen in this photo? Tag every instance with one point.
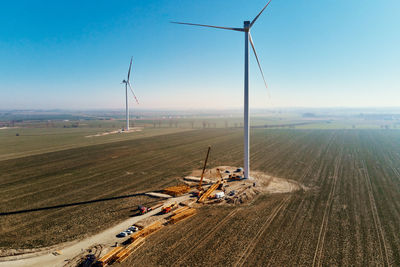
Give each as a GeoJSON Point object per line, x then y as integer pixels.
{"type": "Point", "coordinates": [222, 179]}
{"type": "Point", "coordinates": [143, 209]}
{"type": "Point", "coordinates": [199, 187]}
{"type": "Point", "coordinates": [212, 188]}
{"type": "Point", "coordinates": [169, 208]}
{"type": "Point", "coordinates": [235, 177]}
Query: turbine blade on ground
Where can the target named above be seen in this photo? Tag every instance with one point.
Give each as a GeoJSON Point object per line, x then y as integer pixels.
{"type": "Point", "coordinates": [130, 87]}
{"type": "Point", "coordinates": [258, 62]}
{"type": "Point", "coordinates": [210, 26]}
{"type": "Point", "coordinates": [259, 14]}
{"type": "Point", "coordinates": [130, 66]}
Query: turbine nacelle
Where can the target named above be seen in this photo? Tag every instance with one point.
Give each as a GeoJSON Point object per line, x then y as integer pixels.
{"type": "Point", "coordinates": [246, 26]}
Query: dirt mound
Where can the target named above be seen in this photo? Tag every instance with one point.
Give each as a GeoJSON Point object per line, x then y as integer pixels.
{"type": "Point", "coordinates": [245, 190]}
{"type": "Point", "coordinates": [270, 184]}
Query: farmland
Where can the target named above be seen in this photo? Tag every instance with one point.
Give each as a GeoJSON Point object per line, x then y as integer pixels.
{"type": "Point", "coordinates": [349, 216]}
{"type": "Point", "coordinates": [33, 141]}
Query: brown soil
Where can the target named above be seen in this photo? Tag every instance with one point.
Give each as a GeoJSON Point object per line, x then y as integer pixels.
{"type": "Point", "coordinates": [247, 189]}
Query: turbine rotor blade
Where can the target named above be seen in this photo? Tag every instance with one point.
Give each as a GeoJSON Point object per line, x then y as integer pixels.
{"type": "Point", "coordinates": [130, 66]}
{"type": "Point", "coordinates": [130, 87]}
{"type": "Point", "coordinates": [210, 26]}
{"type": "Point", "coordinates": [259, 65]}
{"type": "Point", "coordinates": [259, 14]}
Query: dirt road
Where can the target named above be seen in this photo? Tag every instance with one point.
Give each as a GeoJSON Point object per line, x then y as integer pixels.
{"type": "Point", "coordinates": [107, 237]}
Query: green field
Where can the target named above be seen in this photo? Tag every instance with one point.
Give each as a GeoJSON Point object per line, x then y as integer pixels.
{"type": "Point", "coordinates": [350, 215]}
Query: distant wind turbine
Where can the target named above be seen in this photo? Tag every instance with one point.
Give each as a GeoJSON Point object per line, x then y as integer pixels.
{"type": "Point", "coordinates": [247, 37]}
{"type": "Point", "coordinates": [128, 84]}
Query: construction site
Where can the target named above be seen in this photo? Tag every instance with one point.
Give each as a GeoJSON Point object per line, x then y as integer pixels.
{"type": "Point", "coordinates": [172, 207]}
{"type": "Point", "coordinates": [223, 185]}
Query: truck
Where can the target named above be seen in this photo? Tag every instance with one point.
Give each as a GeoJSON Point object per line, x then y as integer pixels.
{"type": "Point", "coordinates": [143, 209]}
{"type": "Point", "coordinates": [169, 208]}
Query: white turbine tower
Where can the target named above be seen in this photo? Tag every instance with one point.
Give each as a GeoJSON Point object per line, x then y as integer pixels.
{"type": "Point", "coordinates": [128, 84]}
{"type": "Point", "coordinates": [247, 37]}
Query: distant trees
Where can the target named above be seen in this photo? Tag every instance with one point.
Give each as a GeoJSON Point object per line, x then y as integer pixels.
{"type": "Point", "coordinates": [309, 115]}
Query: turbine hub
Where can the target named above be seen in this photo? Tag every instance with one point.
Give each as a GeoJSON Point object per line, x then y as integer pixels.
{"type": "Point", "coordinates": [246, 24]}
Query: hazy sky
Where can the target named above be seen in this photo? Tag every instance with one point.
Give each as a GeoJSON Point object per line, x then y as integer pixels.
{"type": "Point", "coordinates": [74, 54]}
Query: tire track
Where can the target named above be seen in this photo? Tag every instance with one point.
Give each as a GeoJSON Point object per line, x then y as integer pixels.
{"type": "Point", "coordinates": [307, 172]}
{"type": "Point", "coordinates": [378, 226]}
{"type": "Point", "coordinates": [246, 253]}
{"type": "Point", "coordinates": [325, 220]}
{"type": "Point", "coordinates": [205, 238]}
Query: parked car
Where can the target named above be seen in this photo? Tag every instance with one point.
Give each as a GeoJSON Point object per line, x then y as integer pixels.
{"type": "Point", "coordinates": [129, 232]}
{"type": "Point", "coordinates": [122, 234]}
{"type": "Point", "coordinates": [133, 228]}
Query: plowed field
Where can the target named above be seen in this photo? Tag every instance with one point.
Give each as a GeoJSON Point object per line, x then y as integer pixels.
{"type": "Point", "coordinates": [349, 216]}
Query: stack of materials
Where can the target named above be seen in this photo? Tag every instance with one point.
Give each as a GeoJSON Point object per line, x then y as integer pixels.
{"type": "Point", "coordinates": [124, 254]}
{"type": "Point", "coordinates": [109, 257]}
{"type": "Point", "coordinates": [176, 190]}
{"type": "Point", "coordinates": [147, 231]}
{"type": "Point", "coordinates": [180, 210]}
{"type": "Point", "coordinates": [182, 215]}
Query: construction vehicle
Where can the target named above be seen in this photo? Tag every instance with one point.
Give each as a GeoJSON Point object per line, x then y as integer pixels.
{"type": "Point", "coordinates": [169, 208]}
{"type": "Point", "coordinates": [143, 209]}
{"type": "Point", "coordinates": [235, 177]}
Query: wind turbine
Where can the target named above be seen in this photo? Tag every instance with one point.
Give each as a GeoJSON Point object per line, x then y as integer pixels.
{"type": "Point", "coordinates": [247, 25]}
{"type": "Point", "coordinates": [128, 84]}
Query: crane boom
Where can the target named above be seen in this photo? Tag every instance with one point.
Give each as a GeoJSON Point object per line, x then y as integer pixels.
{"type": "Point", "coordinates": [200, 188]}
{"type": "Point", "coordinates": [220, 175]}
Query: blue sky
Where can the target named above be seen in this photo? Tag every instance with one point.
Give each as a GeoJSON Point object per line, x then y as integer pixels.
{"type": "Point", "coordinates": [314, 53]}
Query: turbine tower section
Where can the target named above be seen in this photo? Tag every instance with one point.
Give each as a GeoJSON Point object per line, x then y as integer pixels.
{"type": "Point", "coordinates": [246, 115]}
